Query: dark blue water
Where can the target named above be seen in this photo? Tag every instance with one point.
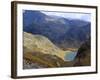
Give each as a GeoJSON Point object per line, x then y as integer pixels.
{"type": "Point", "coordinates": [70, 56]}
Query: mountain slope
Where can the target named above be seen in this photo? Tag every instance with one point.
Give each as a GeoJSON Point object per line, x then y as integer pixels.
{"type": "Point", "coordinates": [38, 43]}
{"type": "Point", "coordinates": [59, 30]}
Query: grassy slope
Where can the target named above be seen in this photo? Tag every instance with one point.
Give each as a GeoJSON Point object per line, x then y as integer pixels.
{"type": "Point", "coordinates": [39, 43]}
{"type": "Point", "coordinates": [39, 49]}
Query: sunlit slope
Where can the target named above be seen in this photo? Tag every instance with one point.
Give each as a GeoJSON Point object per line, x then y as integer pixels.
{"type": "Point", "coordinates": [39, 43]}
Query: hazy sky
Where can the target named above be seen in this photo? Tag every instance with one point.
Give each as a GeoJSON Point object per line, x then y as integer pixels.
{"type": "Point", "coordinates": [81, 16]}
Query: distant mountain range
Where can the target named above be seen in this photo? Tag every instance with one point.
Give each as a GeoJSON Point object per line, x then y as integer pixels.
{"type": "Point", "coordinates": [61, 31]}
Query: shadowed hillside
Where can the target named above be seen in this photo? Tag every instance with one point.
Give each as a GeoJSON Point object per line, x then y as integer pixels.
{"type": "Point", "coordinates": [63, 32]}
{"type": "Point", "coordinates": [83, 57]}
